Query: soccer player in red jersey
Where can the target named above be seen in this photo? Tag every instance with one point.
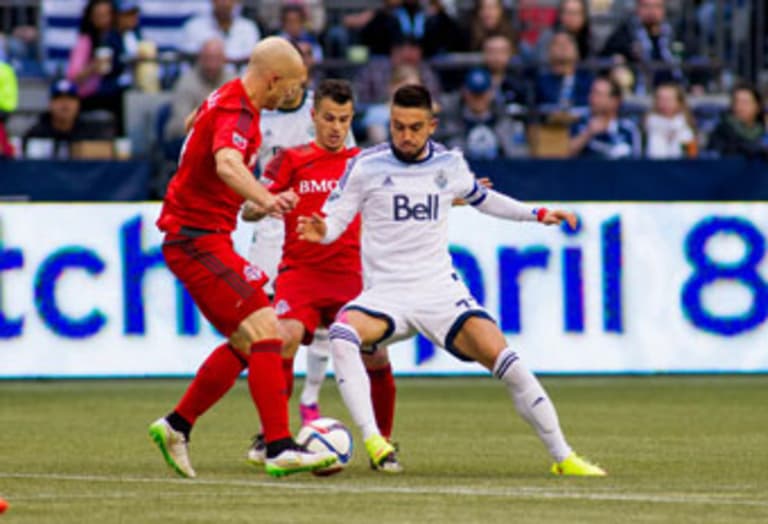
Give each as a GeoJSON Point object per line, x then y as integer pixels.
{"type": "Point", "coordinates": [314, 280]}
{"type": "Point", "coordinates": [199, 213]}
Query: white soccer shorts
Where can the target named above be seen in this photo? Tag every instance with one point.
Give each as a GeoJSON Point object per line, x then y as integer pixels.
{"type": "Point", "coordinates": [437, 311]}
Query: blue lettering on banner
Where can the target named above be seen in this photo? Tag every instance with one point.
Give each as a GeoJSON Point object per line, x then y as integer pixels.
{"type": "Point", "coordinates": [188, 316]}
{"type": "Point", "coordinates": [707, 271]}
{"type": "Point", "coordinates": [512, 263]}
{"type": "Point", "coordinates": [573, 291]}
{"type": "Point", "coordinates": [573, 284]}
{"type": "Point", "coordinates": [10, 258]}
{"type": "Point", "coordinates": [48, 275]}
{"type": "Point", "coordinates": [612, 262]}
{"type": "Point", "coordinates": [136, 263]}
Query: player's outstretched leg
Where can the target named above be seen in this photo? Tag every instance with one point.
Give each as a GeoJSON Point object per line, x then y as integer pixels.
{"type": "Point", "coordinates": [536, 408]}
{"type": "Point", "coordinates": [215, 377]}
{"type": "Point", "coordinates": [355, 388]}
{"type": "Point", "coordinates": [318, 354]}
{"type": "Point", "coordinates": [480, 339]}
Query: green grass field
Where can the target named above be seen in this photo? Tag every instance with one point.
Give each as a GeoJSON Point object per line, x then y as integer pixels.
{"type": "Point", "coordinates": [678, 449]}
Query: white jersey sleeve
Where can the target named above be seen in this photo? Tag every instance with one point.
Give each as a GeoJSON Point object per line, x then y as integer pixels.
{"type": "Point", "coordinates": [486, 200]}
{"type": "Point", "coordinates": [344, 202]}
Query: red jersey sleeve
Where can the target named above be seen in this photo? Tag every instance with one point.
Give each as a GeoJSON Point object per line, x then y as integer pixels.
{"type": "Point", "coordinates": [232, 129]}
{"type": "Point", "coordinates": [277, 175]}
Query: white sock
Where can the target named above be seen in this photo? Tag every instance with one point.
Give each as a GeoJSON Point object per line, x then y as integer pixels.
{"type": "Point", "coordinates": [353, 382]}
{"type": "Point", "coordinates": [532, 402]}
{"type": "Point", "coordinates": [317, 361]}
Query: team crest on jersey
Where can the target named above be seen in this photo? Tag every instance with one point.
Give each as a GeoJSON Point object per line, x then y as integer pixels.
{"type": "Point", "coordinates": [441, 180]}
{"type": "Point", "coordinates": [253, 273]}
{"type": "Point", "coordinates": [239, 140]}
{"type": "Point", "coordinates": [282, 307]}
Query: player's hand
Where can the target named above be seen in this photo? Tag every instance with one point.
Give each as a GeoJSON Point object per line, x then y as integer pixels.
{"type": "Point", "coordinates": [312, 229]}
{"type": "Point", "coordinates": [556, 217]}
{"type": "Point", "coordinates": [485, 182]}
{"type": "Point", "coordinates": [280, 204]}
{"type": "Point", "coordinates": [287, 201]}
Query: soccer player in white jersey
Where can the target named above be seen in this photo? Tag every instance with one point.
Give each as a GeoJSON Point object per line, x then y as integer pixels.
{"type": "Point", "coordinates": [403, 191]}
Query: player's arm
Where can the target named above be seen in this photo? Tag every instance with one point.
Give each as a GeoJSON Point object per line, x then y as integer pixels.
{"type": "Point", "coordinates": [253, 212]}
{"type": "Point", "coordinates": [339, 210]}
{"type": "Point", "coordinates": [484, 181]}
{"type": "Point", "coordinates": [232, 170]}
{"type": "Point", "coordinates": [276, 179]}
{"type": "Point", "coordinates": [493, 203]}
{"type": "Point", "coordinates": [189, 120]}
{"type": "Point", "coordinates": [499, 205]}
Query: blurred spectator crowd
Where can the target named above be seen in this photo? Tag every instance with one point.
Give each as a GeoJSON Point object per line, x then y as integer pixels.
{"type": "Point", "coordinates": [602, 78]}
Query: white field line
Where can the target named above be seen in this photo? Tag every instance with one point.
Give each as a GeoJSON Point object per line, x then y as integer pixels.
{"type": "Point", "coordinates": [533, 493]}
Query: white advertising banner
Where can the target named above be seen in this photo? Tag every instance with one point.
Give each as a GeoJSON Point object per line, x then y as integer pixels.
{"type": "Point", "coordinates": [638, 288]}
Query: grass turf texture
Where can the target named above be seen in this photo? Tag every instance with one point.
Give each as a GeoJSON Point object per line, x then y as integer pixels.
{"type": "Point", "coordinates": [678, 449]}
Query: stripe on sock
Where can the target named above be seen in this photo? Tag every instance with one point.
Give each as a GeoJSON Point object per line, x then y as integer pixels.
{"type": "Point", "coordinates": [343, 332]}
{"type": "Point", "coordinates": [507, 359]}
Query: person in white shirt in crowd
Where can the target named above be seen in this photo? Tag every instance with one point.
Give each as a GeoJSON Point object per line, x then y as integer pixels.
{"type": "Point", "coordinates": [669, 127]}
{"type": "Point", "coordinates": [238, 34]}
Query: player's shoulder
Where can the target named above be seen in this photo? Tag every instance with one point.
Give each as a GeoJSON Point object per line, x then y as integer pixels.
{"type": "Point", "coordinates": [441, 154]}
{"type": "Point", "coordinates": [232, 96]}
{"type": "Point", "coordinates": [370, 155]}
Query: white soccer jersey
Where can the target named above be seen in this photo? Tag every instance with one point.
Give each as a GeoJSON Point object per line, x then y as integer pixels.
{"type": "Point", "coordinates": [280, 129]}
{"type": "Point", "coordinates": [404, 210]}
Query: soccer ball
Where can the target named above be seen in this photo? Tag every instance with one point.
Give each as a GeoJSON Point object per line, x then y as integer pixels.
{"type": "Point", "coordinates": [327, 434]}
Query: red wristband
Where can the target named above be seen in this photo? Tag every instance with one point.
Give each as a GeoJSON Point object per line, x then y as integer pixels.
{"type": "Point", "coordinates": [540, 213]}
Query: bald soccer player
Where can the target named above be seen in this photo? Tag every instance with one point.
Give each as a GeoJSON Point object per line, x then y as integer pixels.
{"type": "Point", "coordinates": [198, 216]}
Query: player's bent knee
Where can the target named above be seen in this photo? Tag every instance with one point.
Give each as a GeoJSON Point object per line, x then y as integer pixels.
{"type": "Point", "coordinates": [376, 359]}
{"type": "Point", "coordinates": [368, 329]}
{"type": "Point", "coordinates": [480, 339]}
{"type": "Point", "coordinates": [292, 333]}
{"type": "Point", "coordinates": [259, 325]}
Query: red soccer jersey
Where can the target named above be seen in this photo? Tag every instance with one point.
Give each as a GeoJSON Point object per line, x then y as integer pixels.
{"type": "Point", "coordinates": [196, 196]}
{"type": "Point", "coordinates": [312, 173]}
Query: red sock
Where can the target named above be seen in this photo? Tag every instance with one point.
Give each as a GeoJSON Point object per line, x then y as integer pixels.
{"type": "Point", "coordinates": [383, 397]}
{"type": "Point", "coordinates": [267, 386]}
{"type": "Point", "coordinates": [288, 376]}
{"type": "Point", "coordinates": [215, 377]}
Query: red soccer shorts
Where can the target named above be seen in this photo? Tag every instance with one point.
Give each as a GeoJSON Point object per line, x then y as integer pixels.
{"type": "Point", "coordinates": [225, 287]}
{"type": "Point", "coordinates": [314, 297]}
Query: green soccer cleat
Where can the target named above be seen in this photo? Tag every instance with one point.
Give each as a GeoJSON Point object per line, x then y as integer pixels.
{"type": "Point", "coordinates": [297, 460]}
{"type": "Point", "coordinates": [173, 446]}
{"type": "Point", "coordinates": [382, 454]}
{"type": "Point", "coordinates": [576, 466]}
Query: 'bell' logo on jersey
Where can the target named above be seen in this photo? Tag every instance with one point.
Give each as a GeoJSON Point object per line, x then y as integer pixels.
{"type": "Point", "coordinates": [421, 211]}
{"type": "Point", "coordinates": [317, 186]}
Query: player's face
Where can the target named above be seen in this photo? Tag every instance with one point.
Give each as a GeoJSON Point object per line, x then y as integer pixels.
{"type": "Point", "coordinates": [332, 123]}
{"type": "Point", "coordinates": [410, 128]}
{"type": "Point", "coordinates": [284, 89]}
